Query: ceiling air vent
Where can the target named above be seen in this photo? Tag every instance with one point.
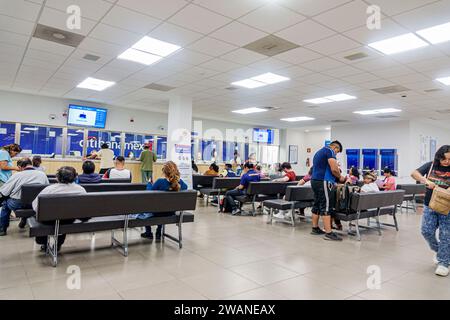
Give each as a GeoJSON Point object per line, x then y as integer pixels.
{"type": "Point", "coordinates": [59, 36]}
{"type": "Point", "coordinates": [387, 117]}
{"type": "Point", "coordinates": [231, 88]}
{"type": "Point", "coordinates": [356, 56]}
{"type": "Point", "coordinates": [443, 111]}
{"type": "Point", "coordinates": [271, 46]}
{"type": "Point", "coordinates": [271, 108]}
{"type": "Point", "coordinates": [338, 121]}
{"type": "Point", "coordinates": [91, 57]}
{"type": "Point", "coordinates": [390, 89]}
{"type": "Point", "coordinates": [433, 90]}
{"type": "Point", "coordinates": [159, 87]}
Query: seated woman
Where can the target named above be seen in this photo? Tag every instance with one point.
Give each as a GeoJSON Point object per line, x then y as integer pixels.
{"type": "Point", "coordinates": [66, 177]}
{"type": "Point", "coordinates": [213, 170]}
{"type": "Point", "coordinates": [170, 182]}
{"type": "Point", "coordinates": [389, 180]}
{"type": "Point", "coordinates": [289, 173]}
{"type": "Point", "coordinates": [89, 175]}
{"type": "Point", "coordinates": [369, 183]}
{"type": "Point", "coordinates": [353, 176]}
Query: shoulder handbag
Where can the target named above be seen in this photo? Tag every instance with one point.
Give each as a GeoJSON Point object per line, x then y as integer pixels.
{"type": "Point", "coordinates": [440, 199]}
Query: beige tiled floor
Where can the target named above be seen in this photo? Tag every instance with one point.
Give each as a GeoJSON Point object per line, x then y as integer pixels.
{"type": "Point", "coordinates": [226, 257]}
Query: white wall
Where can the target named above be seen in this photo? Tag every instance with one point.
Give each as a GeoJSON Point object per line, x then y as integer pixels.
{"type": "Point", "coordinates": [401, 135]}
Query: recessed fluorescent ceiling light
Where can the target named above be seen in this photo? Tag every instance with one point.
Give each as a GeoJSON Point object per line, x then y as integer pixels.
{"type": "Point", "coordinates": [436, 34]}
{"type": "Point", "coordinates": [249, 84]}
{"type": "Point", "coordinates": [249, 110]}
{"type": "Point", "coordinates": [296, 119]}
{"type": "Point", "coordinates": [377, 111]}
{"type": "Point", "coordinates": [155, 46]}
{"type": "Point", "coordinates": [340, 97]}
{"type": "Point", "coordinates": [445, 80]}
{"type": "Point", "coordinates": [398, 44]}
{"type": "Point", "coordinates": [270, 78]}
{"type": "Point", "coordinates": [333, 98]}
{"type": "Point", "coordinates": [95, 84]}
{"type": "Point", "coordinates": [139, 56]}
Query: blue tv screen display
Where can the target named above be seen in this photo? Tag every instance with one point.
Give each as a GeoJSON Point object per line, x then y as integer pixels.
{"type": "Point", "coordinates": [86, 116]}
{"type": "Point", "coordinates": [263, 135]}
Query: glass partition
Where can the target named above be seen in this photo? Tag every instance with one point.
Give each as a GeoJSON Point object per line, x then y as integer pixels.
{"type": "Point", "coordinates": [161, 151]}
{"type": "Point", "coordinates": [75, 142]}
{"type": "Point", "coordinates": [44, 141]}
{"type": "Point", "coordinates": [95, 140]}
{"type": "Point", "coordinates": [7, 133]}
{"type": "Point", "coordinates": [134, 144]}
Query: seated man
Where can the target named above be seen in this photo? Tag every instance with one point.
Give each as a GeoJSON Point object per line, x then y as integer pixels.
{"type": "Point", "coordinates": [89, 175]}
{"type": "Point", "coordinates": [13, 189]}
{"type": "Point", "coordinates": [249, 175]}
{"type": "Point", "coordinates": [66, 177]}
{"type": "Point", "coordinates": [119, 172]}
{"type": "Point", "coordinates": [228, 171]}
{"type": "Point", "coordinates": [289, 174]}
{"type": "Point", "coordinates": [369, 183]}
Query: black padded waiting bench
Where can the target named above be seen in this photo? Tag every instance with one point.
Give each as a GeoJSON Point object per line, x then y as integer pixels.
{"type": "Point", "coordinates": [31, 191]}
{"type": "Point", "coordinates": [372, 205]}
{"type": "Point", "coordinates": [220, 186]}
{"type": "Point", "coordinates": [109, 211]}
{"type": "Point", "coordinates": [412, 192]}
{"type": "Point", "coordinates": [297, 197]}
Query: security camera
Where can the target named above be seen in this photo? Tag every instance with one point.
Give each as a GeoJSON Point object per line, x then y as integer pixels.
{"type": "Point", "coordinates": [52, 116]}
{"type": "Point", "coordinates": [162, 128]}
{"type": "Point", "coordinates": [131, 120]}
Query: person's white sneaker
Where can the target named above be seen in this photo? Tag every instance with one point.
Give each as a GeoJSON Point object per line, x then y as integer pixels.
{"type": "Point", "coordinates": [288, 216]}
{"type": "Point", "coordinates": [279, 215]}
{"type": "Point", "coordinates": [441, 271]}
{"type": "Point", "coordinates": [435, 260]}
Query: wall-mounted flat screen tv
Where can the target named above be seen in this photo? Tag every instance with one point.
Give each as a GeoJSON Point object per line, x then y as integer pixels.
{"type": "Point", "coordinates": [83, 116]}
{"type": "Point", "coordinates": [263, 135]}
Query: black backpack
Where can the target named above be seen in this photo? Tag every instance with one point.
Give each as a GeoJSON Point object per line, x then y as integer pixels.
{"type": "Point", "coordinates": [225, 207]}
{"type": "Point", "coordinates": [342, 195]}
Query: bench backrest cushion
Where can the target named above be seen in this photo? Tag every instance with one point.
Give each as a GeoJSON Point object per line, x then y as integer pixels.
{"type": "Point", "coordinates": [226, 183]}
{"type": "Point", "coordinates": [413, 188]}
{"type": "Point", "coordinates": [373, 200]}
{"type": "Point", "coordinates": [203, 181]}
{"type": "Point", "coordinates": [116, 180]}
{"type": "Point", "coordinates": [269, 188]}
{"type": "Point", "coordinates": [31, 191]}
{"type": "Point", "coordinates": [99, 204]}
{"type": "Point", "coordinates": [299, 193]}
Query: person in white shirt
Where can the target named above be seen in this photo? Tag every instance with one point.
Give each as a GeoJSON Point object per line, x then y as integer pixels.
{"type": "Point", "coordinates": [106, 157]}
{"type": "Point", "coordinates": [66, 177]}
{"type": "Point", "coordinates": [369, 183]}
{"type": "Point", "coordinates": [119, 172]}
{"type": "Point", "coordinates": [13, 189]}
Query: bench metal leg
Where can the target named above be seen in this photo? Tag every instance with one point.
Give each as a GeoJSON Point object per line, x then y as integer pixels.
{"type": "Point", "coordinates": [377, 219]}
{"type": "Point", "coordinates": [178, 240]}
{"type": "Point", "coordinates": [293, 215]}
{"type": "Point", "coordinates": [52, 249]}
{"type": "Point", "coordinates": [270, 216]}
{"type": "Point", "coordinates": [358, 235]}
{"type": "Point", "coordinates": [124, 244]}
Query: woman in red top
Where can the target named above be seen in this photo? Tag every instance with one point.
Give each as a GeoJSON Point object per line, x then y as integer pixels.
{"type": "Point", "coordinates": [289, 174]}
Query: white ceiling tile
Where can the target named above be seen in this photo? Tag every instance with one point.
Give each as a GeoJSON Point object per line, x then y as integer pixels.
{"type": "Point", "coordinates": [220, 65]}
{"type": "Point", "coordinates": [391, 8]}
{"type": "Point", "coordinates": [375, 64]}
{"type": "Point", "coordinates": [295, 72]}
{"type": "Point", "coordinates": [16, 25]}
{"type": "Point", "coordinates": [130, 20]}
{"type": "Point", "coordinates": [333, 45]}
{"type": "Point", "coordinates": [155, 8]}
{"type": "Point", "coordinates": [212, 47]}
{"type": "Point", "coordinates": [298, 55]}
{"type": "Point", "coordinates": [13, 38]}
{"type": "Point", "coordinates": [427, 16]}
{"type": "Point", "coordinates": [322, 64]}
{"type": "Point", "coordinates": [174, 34]}
{"type": "Point", "coordinates": [51, 47]}
{"type": "Point", "coordinates": [199, 19]}
{"type": "Point", "coordinates": [91, 9]}
{"type": "Point", "coordinates": [388, 29]}
{"type": "Point", "coordinates": [269, 65]}
{"type": "Point", "coordinates": [343, 72]}
{"type": "Point", "coordinates": [58, 19]}
{"type": "Point", "coordinates": [191, 57]}
{"type": "Point", "coordinates": [20, 9]}
{"type": "Point", "coordinates": [306, 32]}
{"type": "Point", "coordinates": [238, 34]}
{"type": "Point", "coordinates": [345, 17]}
{"type": "Point", "coordinates": [312, 7]}
{"type": "Point", "coordinates": [101, 47]}
{"type": "Point", "coordinates": [243, 56]}
{"type": "Point", "coordinates": [231, 8]}
{"type": "Point", "coordinates": [114, 35]}
{"type": "Point", "coordinates": [48, 65]}
{"type": "Point", "coordinates": [272, 18]}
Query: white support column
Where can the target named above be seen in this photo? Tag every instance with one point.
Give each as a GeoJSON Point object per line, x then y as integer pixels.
{"type": "Point", "coordinates": [179, 135]}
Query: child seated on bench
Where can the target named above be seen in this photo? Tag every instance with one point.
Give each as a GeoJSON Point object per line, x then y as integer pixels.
{"type": "Point", "coordinates": [170, 182]}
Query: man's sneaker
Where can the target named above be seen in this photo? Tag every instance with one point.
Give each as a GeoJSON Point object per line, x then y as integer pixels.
{"type": "Point", "coordinates": [236, 212]}
{"type": "Point", "coordinates": [435, 260]}
{"type": "Point", "coordinates": [441, 271]}
{"type": "Point", "coordinates": [2, 233]}
{"type": "Point", "coordinates": [317, 231]}
{"type": "Point", "coordinates": [158, 238]}
{"type": "Point", "coordinates": [146, 235]}
{"type": "Point", "coordinates": [332, 237]}
{"type": "Point", "coordinates": [337, 227]}
{"type": "Point", "coordinates": [279, 215]}
{"type": "Point", "coordinates": [22, 223]}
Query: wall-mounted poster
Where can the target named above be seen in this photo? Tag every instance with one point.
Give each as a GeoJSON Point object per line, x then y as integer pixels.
{"type": "Point", "coordinates": [293, 154]}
